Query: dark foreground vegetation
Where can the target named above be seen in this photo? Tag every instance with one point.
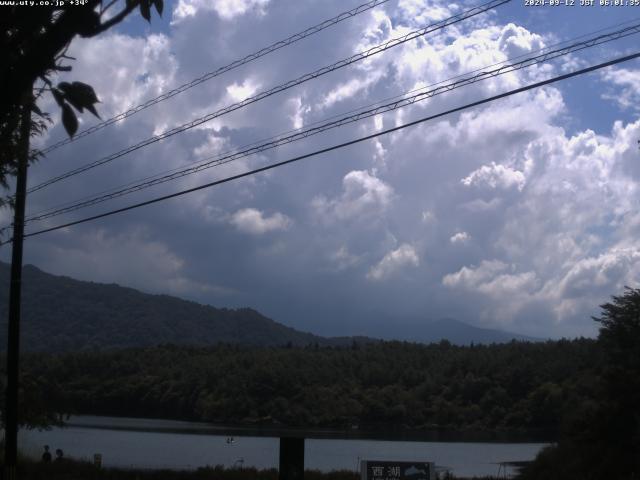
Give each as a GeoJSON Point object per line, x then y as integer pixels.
{"type": "Point", "coordinates": [600, 439]}
{"type": "Point", "coordinates": [73, 470]}
{"type": "Point", "coordinates": [516, 386]}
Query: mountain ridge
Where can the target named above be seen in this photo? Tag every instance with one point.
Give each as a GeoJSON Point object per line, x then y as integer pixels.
{"type": "Point", "coordinates": [64, 314]}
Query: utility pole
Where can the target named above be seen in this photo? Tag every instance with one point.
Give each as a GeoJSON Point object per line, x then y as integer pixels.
{"type": "Point", "coordinates": [13, 337]}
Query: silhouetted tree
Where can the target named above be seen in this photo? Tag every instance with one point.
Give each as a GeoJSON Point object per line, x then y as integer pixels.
{"type": "Point", "coordinates": [33, 46]}
{"type": "Point", "coordinates": [602, 434]}
{"type": "Point", "coordinates": [620, 419]}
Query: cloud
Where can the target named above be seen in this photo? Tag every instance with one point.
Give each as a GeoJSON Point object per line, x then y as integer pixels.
{"type": "Point", "coordinates": [238, 92]}
{"type": "Point", "coordinates": [403, 256]}
{"type": "Point", "coordinates": [420, 13]}
{"type": "Point", "coordinates": [133, 258]}
{"type": "Point", "coordinates": [623, 87]}
{"type": "Point", "coordinates": [495, 176]}
{"type": "Point", "coordinates": [609, 270]}
{"type": "Point", "coordinates": [123, 70]}
{"type": "Point", "coordinates": [515, 41]}
{"type": "Point", "coordinates": [226, 9]}
{"type": "Point", "coordinates": [250, 220]}
{"type": "Point", "coordinates": [349, 89]}
{"type": "Point", "coordinates": [298, 110]}
{"type": "Point", "coordinates": [470, 277]}
{"type": "Point", "coordinates": [342, 259]}
{"type": "Point", "coordinates": [587, 278]}
{"type": "Point", "coordinates": [363, 195]}
{"type": "Point", "coordinates": [526, 219]}
{"type": "Point", "coordinates": [502, 292]}
{"type": "Point", "coordinates": [428, 216]}
{"type": "Point", "coordinates": [460, 238]}
{"type": "Point", "coordinates": [491, 277]}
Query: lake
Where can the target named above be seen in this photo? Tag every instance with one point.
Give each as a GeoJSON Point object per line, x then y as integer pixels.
{"type": "Point", "coordinates": [144, 443]}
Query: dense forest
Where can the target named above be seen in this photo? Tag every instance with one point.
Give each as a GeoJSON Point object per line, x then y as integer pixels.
{"type": "Point", "coordinates": [515, 386]}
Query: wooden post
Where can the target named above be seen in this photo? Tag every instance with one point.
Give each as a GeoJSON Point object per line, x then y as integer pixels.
{"type": "Point", "coordinates": [291, 458]}
{"type": "Point", "coordinates": [13, 335]}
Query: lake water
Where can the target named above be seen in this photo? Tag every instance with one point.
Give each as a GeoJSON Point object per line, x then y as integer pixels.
{"type": "Point", "coordinates": [170, 444]}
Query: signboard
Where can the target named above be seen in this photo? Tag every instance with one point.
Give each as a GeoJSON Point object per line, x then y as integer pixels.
{"type": "Point", "coordinates": [391, 470]}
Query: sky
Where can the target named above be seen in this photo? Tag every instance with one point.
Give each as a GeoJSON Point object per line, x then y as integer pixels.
{"type": "Point", "coordinates": [521, 214]}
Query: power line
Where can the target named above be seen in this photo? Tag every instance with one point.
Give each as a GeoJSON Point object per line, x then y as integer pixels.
{"type": "Point", "coordinates": [326, 119]}
{"type": "Point", "coordinates": [547, 49]}
{"type": "Point", "coordinates": [339, 146]}
{"type": "Point", "coordinates": [285, 86]}
{"type": "Point", "coordinates": [305, 133]}
{"type": "Point", "coordinates": [219, 71]}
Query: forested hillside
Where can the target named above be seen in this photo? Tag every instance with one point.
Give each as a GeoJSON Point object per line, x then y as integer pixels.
{"type": "Point", "coordinates": [63, 314]}
{"type": "Point", "coordinates": [60, 314]}
{"type": "Point", "coordinates": [510, 386]}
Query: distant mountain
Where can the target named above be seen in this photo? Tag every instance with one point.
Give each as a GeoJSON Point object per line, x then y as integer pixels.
{"type": "Point", "coordinates": [63, 314]}
{"type": "Point", "coordinates": [459, 333]}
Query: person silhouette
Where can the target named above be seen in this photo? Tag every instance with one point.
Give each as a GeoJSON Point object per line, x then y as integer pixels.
{"type": "Point", "coordinates": [59, 455]}
{"type": "Point", "coordinates": [46, 456]}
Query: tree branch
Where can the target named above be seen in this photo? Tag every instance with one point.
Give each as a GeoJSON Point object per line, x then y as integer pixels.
{"type": "Point", "coordinates": [117, 18]}
{"type": "Point", "coordinates": [111, 4]}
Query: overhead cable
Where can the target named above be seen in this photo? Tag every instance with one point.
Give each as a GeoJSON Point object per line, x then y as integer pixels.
{"type": "Point", "coordinates": [219, 71]}
{"type": "Point", "coordinates": [342, 114]}
{"type": "Point", "coordinates": [217, 160]}
{"type": "Point", "coordinates": [280, 88]}
{"type": "Point", "coordinates": [566, 76]}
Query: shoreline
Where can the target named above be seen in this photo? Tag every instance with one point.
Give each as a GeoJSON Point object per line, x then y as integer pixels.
{"type": "Point", "coordinates": [383, 433]}
{"type": "Point", "coordinates": [69, 469]}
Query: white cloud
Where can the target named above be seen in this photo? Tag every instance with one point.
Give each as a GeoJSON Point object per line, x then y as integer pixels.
{"type": "Point", "coordinates": [515, 41]}
{"type": "Point", "coordinates": [250, 220]}
{"type": "Point", "coordinates": [214, 145]}
{"type": "Point", "coordinates": [298, 110]}
{"type": "Point", "coordinates": [378, 29]}
{"type": "Point", "coordinates": [419, 12]}
{"type": "Point", "coordinates": [496, 280]}
{"type": "Point", "coordinates": [609, 271]}
{"type": "Point", "coordinates": [350, 89]}
{"type": "Point", "coordinates": [238, 92]}
{"type": "Point", "coordinates": [226, 9]}
{"type": "Point", "coordinates": [626, 87]}
{"type": "Point", "coordinates": [403, 256]}
{"type": "Point", "coordinates": [470, 277]}
{"type": "Point", "coordinates": [363, 194]}
{"type": "Point", "coordinates": [380, 154]}
{"type": "Point", "coordinates": [495, 176]}
{"type": "Point", "coordinates": [342, 259]}
{"type": "Point", "coordinates": [123, 70]}
{"type": "Point", "coordinates": [460, 238]}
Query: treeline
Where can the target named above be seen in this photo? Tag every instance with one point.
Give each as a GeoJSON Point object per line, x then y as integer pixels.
{"type": "Point", "coordinates": [515, 386]}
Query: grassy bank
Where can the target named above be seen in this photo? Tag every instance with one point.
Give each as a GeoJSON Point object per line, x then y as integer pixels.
{"type": "Point", "coordinates": [74, 470]}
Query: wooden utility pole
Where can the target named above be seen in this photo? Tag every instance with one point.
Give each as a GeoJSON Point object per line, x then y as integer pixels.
{"type": "Point", "coordinates": [13, 337]}
{"type": "Point", "coordinates": [291, 458]}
